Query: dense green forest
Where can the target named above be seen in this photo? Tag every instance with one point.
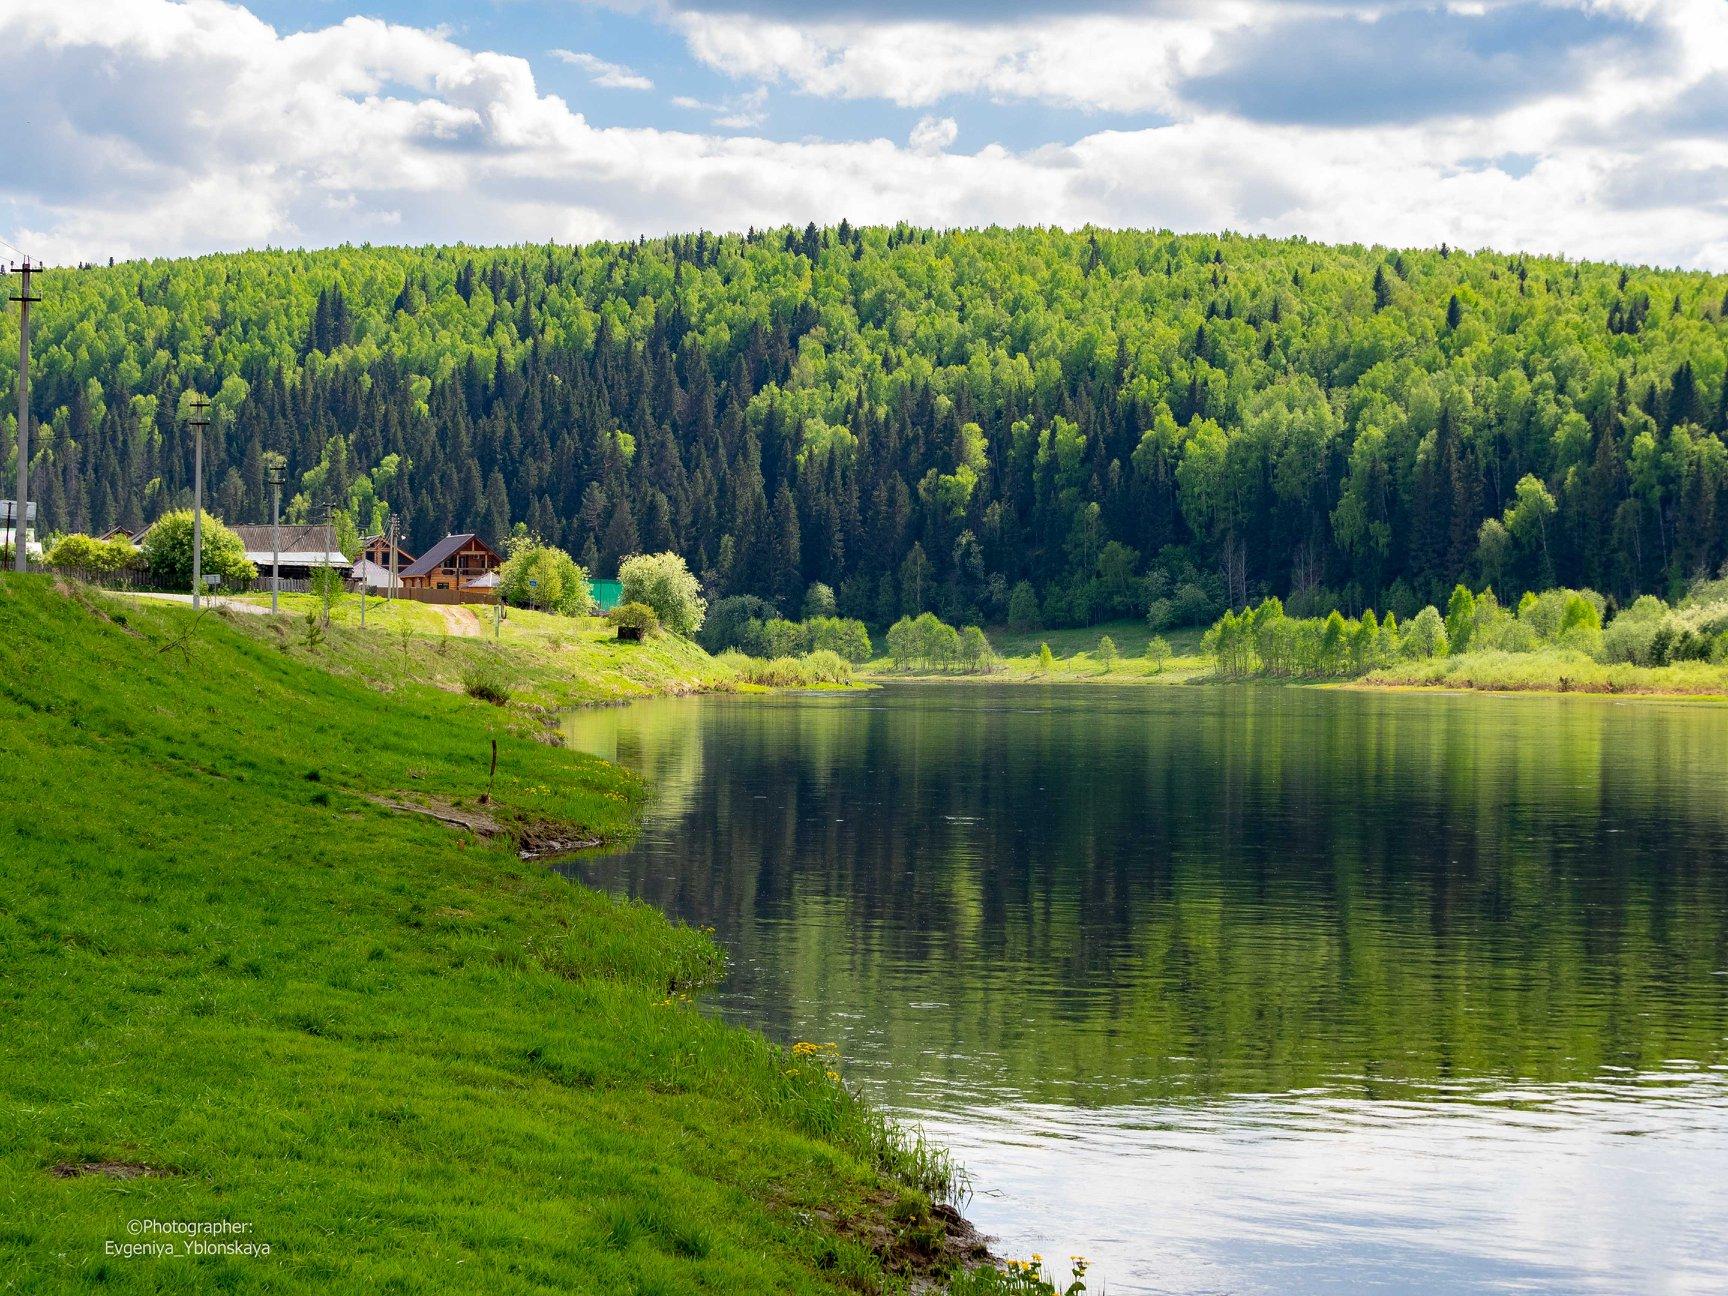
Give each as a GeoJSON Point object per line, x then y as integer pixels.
{"type": "Point", "coordinates": [1079, 424]}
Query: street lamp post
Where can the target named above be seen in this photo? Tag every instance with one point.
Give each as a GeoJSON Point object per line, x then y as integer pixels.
{"type": "Point", "coordinates": [393, 534]}
{"type": "Point", "coordinates": [199, 421]}
{"type": "Point", "coordinates": [275, 478]}
{"type": "Point", "coordinates": [21, 508]}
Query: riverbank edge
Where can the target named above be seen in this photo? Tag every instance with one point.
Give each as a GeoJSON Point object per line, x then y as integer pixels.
{"type": "Point", "coordinates": [1200, 678]}
{"type": "Point", "coordinates": [906, 1238]}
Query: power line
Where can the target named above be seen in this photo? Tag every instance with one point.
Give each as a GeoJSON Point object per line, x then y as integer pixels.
{"type": "Point", "coordinates": [21, 505]}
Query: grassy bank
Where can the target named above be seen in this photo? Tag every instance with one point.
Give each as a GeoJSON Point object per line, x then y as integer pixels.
{"type": "Point", "coordinates": [1553, 671]}
{"type": "Point", "coordinates": [544, 660]}
{"type": "Point", "coordinates": [240, 988]}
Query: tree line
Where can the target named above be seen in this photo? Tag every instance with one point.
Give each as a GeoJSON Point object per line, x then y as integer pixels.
{"type": "Point", "coordinates": [1026, 425]}
{"type": "Point", "coordinates": [1266, 640]}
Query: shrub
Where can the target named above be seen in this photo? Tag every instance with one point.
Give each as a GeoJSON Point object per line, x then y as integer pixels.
{"type": "Point", "coordinates": [825, 666]}
{"type": "Point", "coordinates": [976, 654]}
{"type": "Point", "coordinates": [1046, 658]}
{"type": "Point", "coordinates": [1193, 605]}
{"type": "Point", "coordinates": [820, 667]}
{"type": "Point", "coordinates": [786, 638]}
{"type": "Point", "coordinates": [737, 622]}
{"type": "Point", "coordinates": [90, 556]}
{"type": "Point", "coordinates": [847, 637]}
{"type": "Point", "coordinates": [664, 583]}
{"type": "Point", "coordinates": [486, 678]}
{"type": "Point", "coordinates": [1107, 653]}
{"type": "Point", "coordinates": [537, 575]}
{"type": "Point", "coordinates": [1629, 636]}
{"type": "Point", "coordinates": [634, 616]}
{"type": "Point", "coordinates": [1158, 652]}
{"type": "Point", "coordinates": [818, 601]}
{"type": "Point", "coordinates": [1023, 607]}
{"type": "Point", "coordinates": [327, 588]}
{"type": "Point", "coordinates": [168, 552]}
{"type": "Point", "coordinates": [1426, 636]}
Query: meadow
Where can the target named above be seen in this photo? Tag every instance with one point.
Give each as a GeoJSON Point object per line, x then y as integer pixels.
{"type": "Point", "coordinates": [257, 975]}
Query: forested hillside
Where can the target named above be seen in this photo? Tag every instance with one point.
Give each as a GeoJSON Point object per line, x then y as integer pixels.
{"type": "Point", "coordinates": [927, 420]}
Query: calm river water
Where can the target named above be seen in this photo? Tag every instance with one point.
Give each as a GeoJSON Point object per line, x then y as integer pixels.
{"type": "Point", "coordinates": [1248, 990]}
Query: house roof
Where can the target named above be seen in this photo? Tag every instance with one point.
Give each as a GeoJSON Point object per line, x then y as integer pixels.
{"type": "Point", "coordinates": [382, 541]}
{"type": "Point", "coordinates": [370, 574]}
{"type": "Point", "coordinates": [435, 556]}
{"type": "Point", "coordinates": [295, 546]}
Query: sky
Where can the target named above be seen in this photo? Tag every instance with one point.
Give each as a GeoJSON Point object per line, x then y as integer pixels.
{"type": "Point", "coordinates": [139, 128]}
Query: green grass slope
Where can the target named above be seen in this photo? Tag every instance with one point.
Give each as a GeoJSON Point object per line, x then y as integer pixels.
{"type": "Point", "coordinates": [545, 660]}
{"type": "Point", "coordinates": [236, 988]}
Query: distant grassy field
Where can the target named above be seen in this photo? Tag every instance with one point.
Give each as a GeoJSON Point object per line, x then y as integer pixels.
{"type": "Point", "coordinates": [239, 988]}
{"type": "Point", "coordinates": [1076, 654]}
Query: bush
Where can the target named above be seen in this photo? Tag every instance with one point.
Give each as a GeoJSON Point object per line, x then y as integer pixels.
{"type": "Point", "coordinates": [634, 616]}
{"type": "Point", "coordinates": [1023, 607]}
{"type": "Point", "coordinates": [168, 552]}
{"type": "Point", "coordinates": [819, 667]}
{"type": "Point", "coordinates": [90, 556]}
{"type": "Point", "coordinates": [737, 622]}
{"type": "Point", "coordinates": [976, 654]}
{"type": "Point", "coordinates": [328, 589]}
{"type": "Point", "coordinates": [827, 667]}
{"type": "Point", "coordinates": [1193, 606]}
{"type": "Point", "coordinates": [1107, 654]}
{"type": "Point", "coordinates": [1630, 636]}
{"type": "Point", "coordinates": [818, 601]}
{"type": "Point", "coordinates": [786, 638]}
{"type": "Point", "coordinates": [537, 575]}
{"type": "Point", "coordinates": [664, 583]}
{"type": "Point", "coordinates": [1158, 652]}
{"type": "Point", "coordinates": [847, 637]}
{"type": "Point", "coordinates": [1426, 636]}
{"type": "Point", "coordinates": [487, 678]}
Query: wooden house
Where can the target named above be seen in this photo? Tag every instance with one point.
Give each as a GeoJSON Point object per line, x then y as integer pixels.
{"type": "Point", "coordinates": [377, 549]}
{"type": "Point", "coordinates": [457, 562]}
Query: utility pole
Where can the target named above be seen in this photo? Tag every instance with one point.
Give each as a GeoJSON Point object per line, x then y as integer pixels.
{"type": "Point", "coordinates": [21, 514]}
{"type": "Point", "coordinates": [393, 533]}
{"type": "Point", "coordinates": [274, 472]}
{"type": "Point", "coordinates": [200, 420]}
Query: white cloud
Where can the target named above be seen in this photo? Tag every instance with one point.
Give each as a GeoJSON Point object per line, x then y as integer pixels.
{"type": "Point", "coordinates": [736, 112]}
{"type": "Point", "coordinates": [933, 134]}
{"type": "Point", "coordinates": [1127, 64]}
{"type": "Point", "coordinates": [745, 112]}
{"type": "Point", "coordinates": [608, 76]}
{"type": "Point", "coordinates": [160, 128]}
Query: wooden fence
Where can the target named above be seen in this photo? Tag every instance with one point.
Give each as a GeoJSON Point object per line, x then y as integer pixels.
{"type": "Point", "coordinates": [487, 597]}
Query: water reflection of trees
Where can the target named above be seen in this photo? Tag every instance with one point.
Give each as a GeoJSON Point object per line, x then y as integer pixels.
{"type": "Point", "coordinates": [1211, 891]}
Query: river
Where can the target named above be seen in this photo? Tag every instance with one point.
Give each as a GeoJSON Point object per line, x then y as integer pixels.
{"type": "Point", "coordinates": [1246, 990]}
